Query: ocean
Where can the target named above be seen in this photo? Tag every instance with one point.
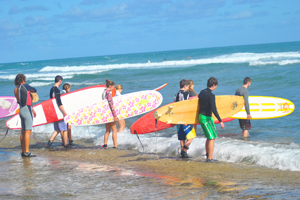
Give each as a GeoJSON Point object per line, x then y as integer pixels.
{"type": "Point", "coordinates": [274, 69]}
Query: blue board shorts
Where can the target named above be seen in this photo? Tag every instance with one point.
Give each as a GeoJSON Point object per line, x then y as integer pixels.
{"type": "Point", "coordinates": [60, 126]}
{"type": "Point", "coordinates": [185, 132]}
{"type": "Point", "coordinates": [208, 126]}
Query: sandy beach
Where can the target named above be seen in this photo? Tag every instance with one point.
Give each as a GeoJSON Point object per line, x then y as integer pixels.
{"type": "Point", "coordinates": [77, 172]}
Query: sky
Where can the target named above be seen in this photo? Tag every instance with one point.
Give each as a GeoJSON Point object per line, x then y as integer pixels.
{"type": "Point", "coordinates": [40, 30]}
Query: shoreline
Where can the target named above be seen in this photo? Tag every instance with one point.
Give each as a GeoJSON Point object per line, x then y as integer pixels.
{"type": "Point", "coordinates": [227, 178]}
{"type": "Point", "coordinates": [177, 178]}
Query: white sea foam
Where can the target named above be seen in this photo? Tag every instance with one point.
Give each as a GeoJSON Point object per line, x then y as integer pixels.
{"type": "Point", "coordinates": [50, 76]}
{"type": "Point", "coordinates": [269, 155]}
{"type": "Point", "coordinates": [283, 62]}
{"type": "Point", "coordinates": [40, 84]}
{"type": "Point", "coordinates": [251, 58]}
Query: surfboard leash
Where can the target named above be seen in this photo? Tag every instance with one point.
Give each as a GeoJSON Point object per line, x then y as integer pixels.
{"type": "Point", "coordinates": [137, 135]}
{"type": "Point", "coordinates": [4, 135]}
{"type": "Point", "coordinates": [36, 139]}
{"type": "Point", "coordinates": [156, 138]}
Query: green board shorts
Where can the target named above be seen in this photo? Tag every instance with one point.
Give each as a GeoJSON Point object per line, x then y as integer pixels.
{"type": "Point", "coordinates": [208, 126]}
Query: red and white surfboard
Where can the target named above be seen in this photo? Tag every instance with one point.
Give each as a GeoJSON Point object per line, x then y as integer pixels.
{"type": "Point", "coordinates": [48, 111]}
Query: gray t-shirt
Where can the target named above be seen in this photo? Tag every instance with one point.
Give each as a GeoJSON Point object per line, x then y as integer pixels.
{"type": "Point", "coordinates": [242, 91]}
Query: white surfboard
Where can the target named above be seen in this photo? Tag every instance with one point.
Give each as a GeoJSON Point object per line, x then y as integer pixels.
{"type": "Point", "coordinates": [48, 111]}
{"type": "Point", "coordinates": [263, 107]}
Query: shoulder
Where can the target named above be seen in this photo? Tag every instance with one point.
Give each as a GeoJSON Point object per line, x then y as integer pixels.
{"type": "Point", "coordinates": [183, 92]}
{"type": "Point", "coordinates": [192, 93]}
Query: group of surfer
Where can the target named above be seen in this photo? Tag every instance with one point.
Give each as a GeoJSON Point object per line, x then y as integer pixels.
{"type": "Point", "coordinates": [23, 92]}
{"type": "Point", "coordinates": [186, 132]}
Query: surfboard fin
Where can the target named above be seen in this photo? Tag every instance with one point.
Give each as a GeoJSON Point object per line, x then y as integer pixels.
{"type": "Point", "coordinates": [156, 115]}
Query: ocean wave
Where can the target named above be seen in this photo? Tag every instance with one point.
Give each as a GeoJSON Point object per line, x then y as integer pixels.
{"type": "Point", "coordinates": [265, 154]}
{"type": "Point", "coordinates": [40, 84]}
{"type": "Point", "coordinates": [283, 62]}
{"type": "Point", "coordinates": [270, 155]}
{"type": "Point", "coordinates": [283, 58]}
{"type": "Point", "coordinates": [51, 76]}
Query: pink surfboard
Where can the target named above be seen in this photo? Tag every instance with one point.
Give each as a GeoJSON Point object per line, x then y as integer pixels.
{"type": "Point", "coordinates": [8, 106]}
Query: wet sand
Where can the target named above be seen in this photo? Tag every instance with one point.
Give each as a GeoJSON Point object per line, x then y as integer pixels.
{"type": "Point", "coordinates": [128, 174]}
{"type": "Point", "coordinates": [227, 179]}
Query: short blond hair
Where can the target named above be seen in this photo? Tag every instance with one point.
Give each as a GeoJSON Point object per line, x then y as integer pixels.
{"type": "Point", "coordinates": [119, 87]}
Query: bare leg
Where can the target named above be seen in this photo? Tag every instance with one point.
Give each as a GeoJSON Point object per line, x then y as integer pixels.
{"type": "Point", "coordinates": [113, 126]}
{"type": "Point", "coordinates": [65, 137]}
{"type": "Point", "coordinates": [245, 133]}
{"type": "Point", "coordinates": [53, 136]}
{"type": "Point", "coordinates": [108, 129]}
{"type": "Point", "coordinates": [27, 140]}
{"type": "Point", "coordinates": [188, 143]}
{"type": "Point", "coordinates": [210, 144]}
{"type": "Point", "coordinates": [22, 140]}
{"type": "Point", "coordinates": [182, 143]}
{"type": "Point", "coordinates": [122, 125]}
{"type": "Point", "coordinates": [69, 133]}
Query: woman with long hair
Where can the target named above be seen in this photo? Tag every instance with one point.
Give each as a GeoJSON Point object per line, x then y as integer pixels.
{"type": "Point", "coordinates": [110, 85]}
{"type": "Point", "coordinates": [191, 90]}
{"type": "Point", "coordinates": [22, 93]}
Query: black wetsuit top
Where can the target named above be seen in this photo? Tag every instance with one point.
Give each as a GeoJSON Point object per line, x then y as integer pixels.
{"type": "Point", "coordinates": [181, 96]}
{"type": "Point", "coordinates": [54, 92]}
{"type": "Point", "coordinates": [207, 104]}
{"type": "Point", "coordinates": [24, 91]}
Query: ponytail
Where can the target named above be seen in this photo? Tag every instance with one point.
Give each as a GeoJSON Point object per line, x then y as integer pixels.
{"type": "Point", "coordinates": [109, 83]}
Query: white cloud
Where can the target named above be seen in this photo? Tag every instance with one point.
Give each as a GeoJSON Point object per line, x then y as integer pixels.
{"type": "Point", "coordinates": [240, 15]}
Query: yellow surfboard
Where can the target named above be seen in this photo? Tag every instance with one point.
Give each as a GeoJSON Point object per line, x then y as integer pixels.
{"type": "Point", "coordinates": [262, 107]}
{"type": "Point", "coordinates": [186, 112]}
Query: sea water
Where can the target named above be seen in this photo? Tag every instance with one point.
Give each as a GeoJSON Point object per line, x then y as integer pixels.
{"type": "Point", "coordinates": [273, 68]}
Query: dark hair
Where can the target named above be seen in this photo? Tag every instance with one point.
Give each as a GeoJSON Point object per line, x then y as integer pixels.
{"type": "Point", "coordinates": [211, 82]}
{"type": "Point", "coordinates": [66, 86]}
{"type": "Point", "coordinates": [109, 83]}
{"type": "Point", "coordinates": [58, 78]}
{"type": "Point", "coordinates": [183, 83]}
{"type": "Point", "coordinates": [19, 79]}
{"type": "Point", "coordinates": [247, 80]}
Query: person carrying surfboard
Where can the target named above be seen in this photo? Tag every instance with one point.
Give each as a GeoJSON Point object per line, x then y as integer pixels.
{"type": "Point", "coordinates": [66, 89]}
{"type": "Point", "coordinates": [245, 124]}
{"type": "Point", "coordinates": [110, 85]}
{"type": "Point", "coordinates": [59, 126]}
{"type": "Point", "coordinates": [22, 94]}
{"type": "Point", "coordinates": [207, 105]}
{"type": "Point", "coordinates": [121, 122]}
{"type": "Point", "coordinates": [186, 132]}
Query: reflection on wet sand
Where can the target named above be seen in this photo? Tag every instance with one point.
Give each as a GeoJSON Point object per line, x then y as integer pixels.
{"type": "Point", "coordinates": [86, 172]}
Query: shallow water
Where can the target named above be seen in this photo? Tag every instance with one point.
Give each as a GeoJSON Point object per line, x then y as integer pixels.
{"type": "Point", "coordinates": [90, 172]}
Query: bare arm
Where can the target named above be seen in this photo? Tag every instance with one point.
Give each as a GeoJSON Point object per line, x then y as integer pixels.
{"type": "Point", "coordinates": [62, 109]}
